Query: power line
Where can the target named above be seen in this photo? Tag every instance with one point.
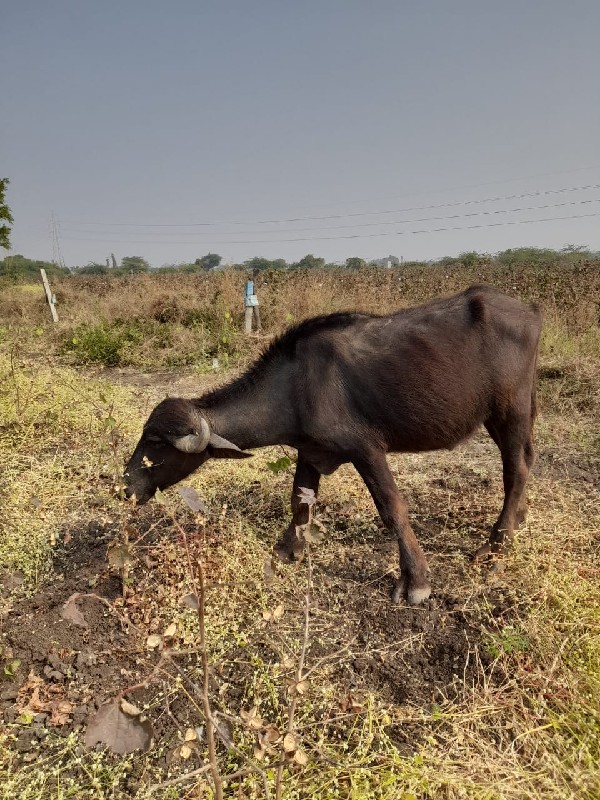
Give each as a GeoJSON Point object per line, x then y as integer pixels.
{"type": "Point", "coordinates": [480, 184]}
{"type": "Point", "coordinates": [370, 224]}
{"type": "Point", "coordinates": [334, 216]}
{"type": "Point", "coordinates": [362, 236]}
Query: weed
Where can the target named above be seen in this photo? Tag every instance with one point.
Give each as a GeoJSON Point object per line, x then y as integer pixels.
{"type": "Point", "coordinates": [509, 641]}
{"type": "Point", "coordinates": [101, 344]}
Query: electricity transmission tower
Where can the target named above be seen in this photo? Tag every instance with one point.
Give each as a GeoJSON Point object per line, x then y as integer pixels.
{"type": "Point", "coordinates": [55, 239]}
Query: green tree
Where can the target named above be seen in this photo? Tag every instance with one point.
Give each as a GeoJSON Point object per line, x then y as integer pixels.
{"type": "Point", "coordinates": [258, 262]}
{"type": "Point", "coordinates": [93, 268]}
{"type": "Point", "coordinates": [134, 264]}
{"type": "Point", "coordinates": [209, 261]}
{"type": "Point", "coordinates": [19, 268]}
{"type": "Point", "coordinates": [355, 263]}
{"type": "Point", "coordinates": [536, 256]}
{"type": "Point", "coordinates": [6, 218]}
{"type": "Point", "coordinates": [471, 258]}
{"type": "Point", "coordinates": [310, 262]}
{"type": "Point", "coordinates": [448, 261]}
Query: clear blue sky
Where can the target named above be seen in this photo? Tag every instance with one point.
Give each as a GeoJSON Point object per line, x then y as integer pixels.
{"type": "Point", "coordinates": [196, 112]}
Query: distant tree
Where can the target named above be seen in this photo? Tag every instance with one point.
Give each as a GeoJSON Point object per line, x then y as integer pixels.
{"type": "Point", "coordinates": [18, 268]}
{"type": "Point", "coordinates": [448, 261]}
{"type": "Point", "coordinates": [391, 261]}
{"type": "Point", "coordinates": [6, 218]}
{"type": "Point", "coordinates": [471, 258]}
{"type": "Point", "coordinates": [539, 256]}
{"type": "Point", "coordinates": [260, 263]}
{"type": "Point", "coordinates": [209, 261]}
{"type": "Point", "coordinates": [93, 268]}
{"type": "Point", "coordinates": [310, 262]}
{"type": "Point", "coordinates": [134, 264]}
{"type": "Point", "coordinates": [576, 249]}
{"type": "Point", "coordinates": [356, 263]}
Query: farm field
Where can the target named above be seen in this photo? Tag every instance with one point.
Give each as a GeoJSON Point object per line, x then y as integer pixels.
{"type": "Point", "coordinates": [491, 690]}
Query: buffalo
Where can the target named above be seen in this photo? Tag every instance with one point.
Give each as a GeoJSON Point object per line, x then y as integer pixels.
{"type": "Point", "coordinates": [352, 387]}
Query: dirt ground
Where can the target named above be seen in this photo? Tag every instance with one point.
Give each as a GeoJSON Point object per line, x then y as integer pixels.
{"type": "Point", "coordinates": [361, 644]}
{"type": "Point", "coordinates": [406, 656]}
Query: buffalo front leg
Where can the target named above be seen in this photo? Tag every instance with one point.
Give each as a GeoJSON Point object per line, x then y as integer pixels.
{"type": "Point", "coordinates": [290, 547]}
{"type": "Point", "coordinates": [414, 572]}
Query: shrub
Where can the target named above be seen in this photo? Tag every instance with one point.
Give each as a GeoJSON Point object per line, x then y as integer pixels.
{"type": "Point", "coordinates": [100, 344]}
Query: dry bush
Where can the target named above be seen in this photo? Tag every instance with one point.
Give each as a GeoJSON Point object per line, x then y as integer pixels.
{"type": "Point", "coordinates": [174, 320]}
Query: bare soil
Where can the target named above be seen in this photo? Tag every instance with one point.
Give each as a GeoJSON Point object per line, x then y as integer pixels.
{"type": "Point", "coordinates": [406, 655]}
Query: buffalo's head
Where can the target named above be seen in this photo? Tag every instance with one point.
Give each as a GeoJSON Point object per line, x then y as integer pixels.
{"type": "Point", "coordinates": [176, 440]}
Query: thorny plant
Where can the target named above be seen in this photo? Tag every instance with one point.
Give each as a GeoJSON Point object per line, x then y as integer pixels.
{"type": "Point", "coordinates": [122, 726]}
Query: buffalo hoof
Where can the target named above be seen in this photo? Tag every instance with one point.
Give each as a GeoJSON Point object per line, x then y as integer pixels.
{"type": "Point", "coordinates": [289, 548]}
{"type": "Point", "coordinates": [416, 592]}
{"type": "Point", "coordinates": [491, 554]}
{"type": "Point", "coordinates": [491, 549]}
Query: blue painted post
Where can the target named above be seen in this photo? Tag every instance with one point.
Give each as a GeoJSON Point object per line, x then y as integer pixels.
{"type": "Point", "coordinates": [251, 306]}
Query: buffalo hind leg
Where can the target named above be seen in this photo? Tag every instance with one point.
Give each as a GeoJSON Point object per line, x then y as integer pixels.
{"type": "Point", "coordinates": [290, 547]}
{"type": "Point", "coordinates": [414, 572]}
{"type": "Point", "coordinates": [514, 441]}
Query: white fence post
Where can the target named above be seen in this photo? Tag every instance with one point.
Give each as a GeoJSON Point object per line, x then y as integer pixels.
{"type": "Point", "coordinates": [49, 296]}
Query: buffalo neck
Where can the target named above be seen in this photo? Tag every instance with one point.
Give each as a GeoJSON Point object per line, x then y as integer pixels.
{"type": "Point", "coordinates": [254, 410]}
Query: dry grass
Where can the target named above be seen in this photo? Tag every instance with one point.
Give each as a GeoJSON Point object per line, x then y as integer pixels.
{"type": "Point", "coordinates": [178, 320]}
{"type": "Point", "coordinates": [520, 719]}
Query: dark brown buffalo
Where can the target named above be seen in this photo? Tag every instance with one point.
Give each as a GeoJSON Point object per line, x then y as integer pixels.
{"type": "Point", "coordinates": [353, 387]}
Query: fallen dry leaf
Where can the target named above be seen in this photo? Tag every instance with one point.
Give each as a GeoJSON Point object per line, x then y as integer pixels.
{"type": "Point", "coordinates": [118, 731]}
{"type": "Point", "coordinates": [252, 718]}
{"type": "Point", "coordinates": [130, 709]}
{"type": "Point", "coordinates": [35, 703]}
{"type": "Point", "coordinates": [190, 601]}
{"type": "Point", "coordinates": [119, 556]}
{"type": "Point", "coordinates": [72, 613]}
{"type": "Point", "coordinates": [190, 735]}
{"type": "Point", "coordinates": [61, 713]}
{"type": "Point", "coordinates": [170, 631]}
{"type": "Point", "coordinates": [185, 751]}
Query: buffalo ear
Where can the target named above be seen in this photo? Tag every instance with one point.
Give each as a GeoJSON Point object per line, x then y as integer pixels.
{"type": "Point", "coordinates": [223, 448]}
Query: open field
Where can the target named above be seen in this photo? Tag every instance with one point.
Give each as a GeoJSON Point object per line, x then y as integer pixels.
{"type": "Point", "coordinates": [489, 691]}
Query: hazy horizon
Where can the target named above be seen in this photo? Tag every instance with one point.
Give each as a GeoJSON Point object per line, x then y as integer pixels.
{"type": "Point", "coordinates": [338, 129]}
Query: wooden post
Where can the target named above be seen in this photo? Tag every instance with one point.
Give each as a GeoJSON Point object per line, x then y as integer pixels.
{"type": "Point", "coordinates": [248, 313]}
{"type": "Point", "coordinates": [251, 312]}
{"type": "Point", "coordinates": [49, 296]}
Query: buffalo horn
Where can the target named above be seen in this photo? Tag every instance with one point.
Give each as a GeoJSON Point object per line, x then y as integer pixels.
{"type": "Point", "coordinates": [194, 442]}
